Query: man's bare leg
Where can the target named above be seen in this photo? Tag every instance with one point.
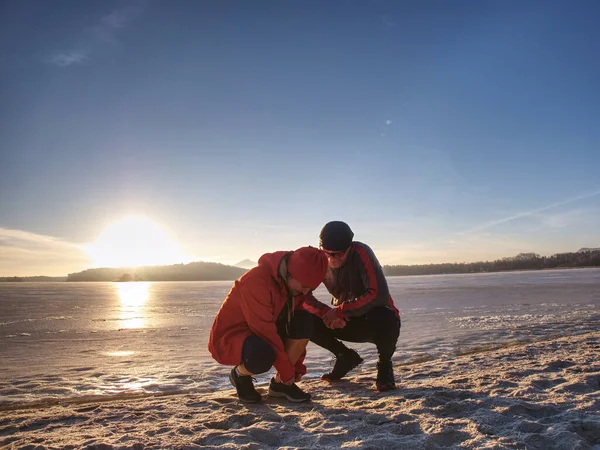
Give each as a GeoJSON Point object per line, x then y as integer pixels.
{"type": "Point", "coordinates": [241, 369]}
{"type": "Point", "coordinates": [294, 349]}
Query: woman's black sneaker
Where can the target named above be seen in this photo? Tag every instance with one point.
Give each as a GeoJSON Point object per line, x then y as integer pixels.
{"type": "Point", "coordinates": [244, 387]}
{"type": "Point", "coordinates": [290, 391]}
{"type": "Point", "coordinates": [344, 363]}
{"type": "Point", "coordinates": [385, 377]}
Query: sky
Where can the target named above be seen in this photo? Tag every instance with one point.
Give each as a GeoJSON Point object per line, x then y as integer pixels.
{"type": "Point", "coordinates": [440, 131]}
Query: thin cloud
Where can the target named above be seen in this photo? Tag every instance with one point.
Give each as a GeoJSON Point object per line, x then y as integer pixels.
{"type": "Point", "coordinates": [109, 25]}
{"type": "Point", "coordinates": [494, 223]}
{"type": "Point", "coordinates": [104, 31]}
{"type": "Point", "coordinates": [387, 21]}
{"type": "Point", "coordinates": [65, 59]}
{"type": "Point", "coordinates": [24, 254]}
{"type": "Point", "coordinates": [570, 218]}
{"type": "Point", "coordinates": [388, 122]}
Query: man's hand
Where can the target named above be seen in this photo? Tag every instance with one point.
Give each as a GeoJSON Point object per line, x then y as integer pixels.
{"type": "Point", "coordinates": [287, 382]}
{"type": "Point", "coordinates": [298, 377]}
{"type": "Point", "coordinates": [332, 320]}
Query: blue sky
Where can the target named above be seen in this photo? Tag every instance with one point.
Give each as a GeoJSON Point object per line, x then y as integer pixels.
{"type": "Point", "coordinates": [439, 130]}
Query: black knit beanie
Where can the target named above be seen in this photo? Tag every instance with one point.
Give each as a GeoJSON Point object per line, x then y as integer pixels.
{"type": "Point", "coordinates": [336, 236]}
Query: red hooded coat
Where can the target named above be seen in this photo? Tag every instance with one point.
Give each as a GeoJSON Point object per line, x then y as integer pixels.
{"type": "Point", "coordinates": [251, 308]}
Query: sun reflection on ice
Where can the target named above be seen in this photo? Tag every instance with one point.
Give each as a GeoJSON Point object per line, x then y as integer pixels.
{"type": "Point", "coordinates": [133, 297]}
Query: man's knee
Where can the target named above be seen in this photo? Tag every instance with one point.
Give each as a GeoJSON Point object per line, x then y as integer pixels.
{"type": "Point", "coordinates": [381, 314]}
{"type": "Point", "coordinates": [383, 320]}
{"type": "Point", "coordinates": [318, 327]}
{"type": "Point", "coordinates": [257, 355]}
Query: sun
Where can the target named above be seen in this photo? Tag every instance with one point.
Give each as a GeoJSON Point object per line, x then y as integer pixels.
{"type": "Point", "coordinates": [133, 242]}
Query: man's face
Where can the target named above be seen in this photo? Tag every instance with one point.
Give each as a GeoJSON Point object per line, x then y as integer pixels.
{"type": "Point", "coordinates": [336, 259]}
{"type": "Point", "coordinates": [297, 288]}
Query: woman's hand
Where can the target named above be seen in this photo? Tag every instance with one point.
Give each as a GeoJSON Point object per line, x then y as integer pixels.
{"type": "Point", "coordinates": [332, 320]}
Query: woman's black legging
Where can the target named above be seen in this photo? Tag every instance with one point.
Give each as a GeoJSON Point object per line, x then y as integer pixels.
{"type": "Point", "coordinates": [379, 326]}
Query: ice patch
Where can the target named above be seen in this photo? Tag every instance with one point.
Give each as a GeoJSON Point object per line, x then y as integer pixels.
{"type": "Point", "coordinates": [120, 353]}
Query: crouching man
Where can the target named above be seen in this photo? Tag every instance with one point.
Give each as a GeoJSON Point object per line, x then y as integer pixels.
{"type": "Point", "coordinates": [261, 323]}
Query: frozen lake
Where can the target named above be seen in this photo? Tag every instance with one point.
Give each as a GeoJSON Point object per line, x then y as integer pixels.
{"type": "Point", "coordinates": [85, 340]}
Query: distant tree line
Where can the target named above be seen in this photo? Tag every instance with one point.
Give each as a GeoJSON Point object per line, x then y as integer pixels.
{"type": "Point", "coordinates": [13, 279]}
{"type": "Point", "coordinates": [38, 278]}
{"type": "Point", "coordinates": [523, 261]}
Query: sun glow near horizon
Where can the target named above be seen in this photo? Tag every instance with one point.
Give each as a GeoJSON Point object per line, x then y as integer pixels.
{"type": "Point", "coordinates": [134, 242]}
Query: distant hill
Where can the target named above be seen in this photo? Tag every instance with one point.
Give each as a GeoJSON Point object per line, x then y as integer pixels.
{"type": "Point", "coordinates": [246, 264]}
{"type": "Point", "coordinates": [586, 249]}
{"type": "Point", "coordinates": [195, 271]}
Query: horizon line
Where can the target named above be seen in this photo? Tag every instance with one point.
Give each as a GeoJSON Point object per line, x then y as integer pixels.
{"type": "Point", "coordinates": [587, 249]}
